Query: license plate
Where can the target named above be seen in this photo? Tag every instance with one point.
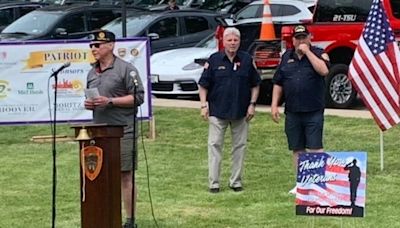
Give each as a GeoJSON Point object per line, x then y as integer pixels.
{"type": "Point", "coordinates": [154, 78]}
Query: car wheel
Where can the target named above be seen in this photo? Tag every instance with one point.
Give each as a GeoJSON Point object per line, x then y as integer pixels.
{"type": "Point", "coordinates": [339, 91]}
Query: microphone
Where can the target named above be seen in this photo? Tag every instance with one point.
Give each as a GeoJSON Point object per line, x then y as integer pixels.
{"type": "Point", "coordinates": [65, 65]}
{"type": "Point", "coordinates": [133, 74]}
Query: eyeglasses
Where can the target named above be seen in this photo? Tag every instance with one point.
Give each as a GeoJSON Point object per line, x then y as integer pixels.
{"type": "Point", "coordinates": [96, 45]}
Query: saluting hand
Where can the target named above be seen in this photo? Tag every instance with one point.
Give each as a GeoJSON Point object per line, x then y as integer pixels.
{"type": "Point", "coordinates": [304, 48]}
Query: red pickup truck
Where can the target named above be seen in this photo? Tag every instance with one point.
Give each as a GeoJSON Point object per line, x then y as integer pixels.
{"type": "Point", "coordinates": [336, 27]}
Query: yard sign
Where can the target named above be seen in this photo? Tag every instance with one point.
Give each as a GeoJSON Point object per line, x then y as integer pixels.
{"type": "Point", "coordinates": [331, 184]}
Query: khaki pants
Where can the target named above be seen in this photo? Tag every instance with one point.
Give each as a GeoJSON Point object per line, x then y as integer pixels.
{"type": "Point", "coordinates": [239, 131]}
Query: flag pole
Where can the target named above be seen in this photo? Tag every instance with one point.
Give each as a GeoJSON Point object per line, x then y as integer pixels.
{"type": "Point", "coordinates": [381, 147]}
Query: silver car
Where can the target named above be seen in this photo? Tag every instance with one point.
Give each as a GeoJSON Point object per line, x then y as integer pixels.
{"type": "Point", "coordinates": [283, 11]}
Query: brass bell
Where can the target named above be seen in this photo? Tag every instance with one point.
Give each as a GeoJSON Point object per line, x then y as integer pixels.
{"type": "Point", "coordinates": [83, 135]}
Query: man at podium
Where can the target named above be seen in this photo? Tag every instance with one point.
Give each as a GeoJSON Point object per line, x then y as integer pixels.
{"type": "Point", "coordinates": [118, 91]}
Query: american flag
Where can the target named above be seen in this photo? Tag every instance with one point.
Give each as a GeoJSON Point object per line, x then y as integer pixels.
{"type": "Point", "coordinates": [374, 70]}
{"type": "Point", "coordinates": [325, 182]}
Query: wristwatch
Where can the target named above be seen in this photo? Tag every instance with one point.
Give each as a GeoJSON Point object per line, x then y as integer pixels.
{"type": "Point", "coordinates": [253, 103]}
{"type": "Point", "coordinates": [110, 101]}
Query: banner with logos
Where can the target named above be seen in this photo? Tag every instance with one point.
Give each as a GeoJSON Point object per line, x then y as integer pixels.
{"type": "Point", "coordinates": [331, 184]}
{"type": "Point", "coordinates": [27, 91]}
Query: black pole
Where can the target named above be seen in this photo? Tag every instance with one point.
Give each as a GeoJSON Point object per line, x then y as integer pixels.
{"type": "Point", "coordinates": [123, 17]}
{"type": "Point", "coordinates": [135, 83]}
{"type": "Point", "coordinates": [53, 217]}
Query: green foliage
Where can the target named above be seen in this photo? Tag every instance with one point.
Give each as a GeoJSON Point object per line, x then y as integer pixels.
{"type": "Point", "coordinates": [177, 162]}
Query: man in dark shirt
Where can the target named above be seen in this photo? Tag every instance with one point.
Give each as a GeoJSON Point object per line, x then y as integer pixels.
{"type": "Point", "coordinates": [300, 77]}
{"type": "Point", "coordinates": [230, 85]}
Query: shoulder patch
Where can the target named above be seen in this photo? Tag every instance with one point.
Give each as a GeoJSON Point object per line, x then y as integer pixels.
{"type": "Point", "coordinates": [325, 57]}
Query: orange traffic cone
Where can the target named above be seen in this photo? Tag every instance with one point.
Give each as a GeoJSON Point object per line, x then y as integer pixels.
{"type": "Point", "coordinates": [267, 27]}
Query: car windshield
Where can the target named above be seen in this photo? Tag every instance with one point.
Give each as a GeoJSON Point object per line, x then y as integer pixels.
{"type": "Point", "coordinates": [342, 10]}
{"type": "Point", "coordinates": [134, 25]}
{"type": "Point", "coordinates": [33, 23]}
{"type": "Point", "coordinates": [209, 42]}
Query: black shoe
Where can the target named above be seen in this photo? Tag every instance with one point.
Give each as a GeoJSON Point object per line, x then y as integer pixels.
{"type": "Point", "coordinates": [236, 189]}
{"type": "Point", "coordinates": [214, 190]}
{"type": "Point", "coordinates": [129, 225]}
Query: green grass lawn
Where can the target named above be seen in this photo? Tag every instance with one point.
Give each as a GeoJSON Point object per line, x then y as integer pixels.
{"type": "Point", "coordinates": [177, 161]}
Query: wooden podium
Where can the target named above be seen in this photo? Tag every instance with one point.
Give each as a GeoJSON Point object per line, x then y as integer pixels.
{"type": "Point", "coordinates": [100, 188]}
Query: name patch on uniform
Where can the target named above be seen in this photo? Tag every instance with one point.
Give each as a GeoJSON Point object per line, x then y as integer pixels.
{"type": "Point", "coordinates": [221, 68]}
{"type": "Point", "coordinates": [290, 61]}
{"type": "Point", "coordinates": [236, 65]}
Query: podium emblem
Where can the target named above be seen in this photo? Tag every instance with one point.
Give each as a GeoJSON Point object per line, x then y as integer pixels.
{"type": "Point", "coordinates": [92, 161]}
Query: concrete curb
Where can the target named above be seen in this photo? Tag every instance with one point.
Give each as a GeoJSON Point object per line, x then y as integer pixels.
{"type": "Point", "coordinates": [364, 114]}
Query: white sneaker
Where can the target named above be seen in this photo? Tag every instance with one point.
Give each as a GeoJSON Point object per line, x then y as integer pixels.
{"type": "Point", "coordinates": [293, 191]}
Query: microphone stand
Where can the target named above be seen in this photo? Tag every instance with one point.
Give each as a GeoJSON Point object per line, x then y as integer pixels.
{"type": "Point", "coordinates": [133, 209]}
{"type": "Point", "coordinates": [55, 74]}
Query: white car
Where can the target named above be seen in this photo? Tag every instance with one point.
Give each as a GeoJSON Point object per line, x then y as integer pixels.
{"type": "Point", "coordinates": [174, 72]}
{"type": "Point", "coordinates": [283, 11]}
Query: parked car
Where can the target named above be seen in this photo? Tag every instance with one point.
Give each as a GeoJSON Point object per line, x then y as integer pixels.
{"type": "Point", "coordinates": [61, 22]}
{"type": "Point", "coordinates": [224, 7]}
{"type": "Point", "coordinates": [11, 11]}
{"type": "Point", "coordinates": [168, 29]}
{"type": "Point", "coordinates": [175, 72]}
{"type": "Point", "coordinates": [219, 6]}
{"type": "Point", "coordinates": [282, 11]}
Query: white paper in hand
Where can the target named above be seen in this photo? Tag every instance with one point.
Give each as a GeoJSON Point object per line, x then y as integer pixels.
{"type": "Point", "coordinates": [91, 93]}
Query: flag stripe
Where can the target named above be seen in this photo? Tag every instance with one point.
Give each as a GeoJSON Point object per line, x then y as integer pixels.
{"type": "Point", "coordinates": [383, 84]}
{"type": "Point", "coordinates": [364, 83]}
{"type": "Point", "coordinates": [374, 69]}
{"type": "Point", "coordinates": [394, 51]}
{"type": "Point", "coordinates": [376, 87]}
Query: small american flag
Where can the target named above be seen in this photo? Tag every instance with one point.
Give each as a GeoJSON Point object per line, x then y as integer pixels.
{"type": "Point", "coordinates": [322, 180]}
{"type": "Point", "coordinates": [374, 70]}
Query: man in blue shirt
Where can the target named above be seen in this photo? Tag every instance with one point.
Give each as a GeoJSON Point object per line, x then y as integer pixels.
{"type": "Point", "coordinates": [300, 77]}
{"type": "Point", "coordinates": [229, 88]}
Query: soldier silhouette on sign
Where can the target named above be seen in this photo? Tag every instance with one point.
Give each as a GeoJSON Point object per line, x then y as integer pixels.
{"type": "Point", "coordinates": [354, 179]}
